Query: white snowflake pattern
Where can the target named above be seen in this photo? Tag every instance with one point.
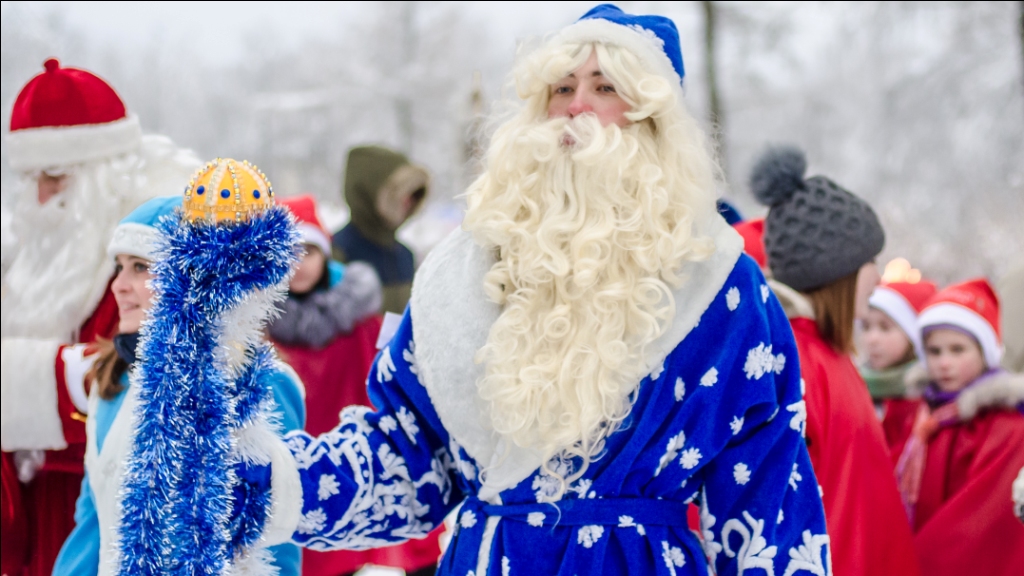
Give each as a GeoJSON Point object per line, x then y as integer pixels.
{"type": "Point", "coordinates": [385, 366]}
{"type": "Point", "coordinates": [765, 292]}
{"type": "Point", "coordinates": [680, 389]}
{"type": "Point", "coordinates": [710, 378]}
{"type": "Point", "coordinates": [628, 522]}
{"type": "Point", "coordinates": [779, 364]}
{"type": "Point", "coordinates": [467, 519]}
{"type": "Point", "coordinates": [312, 522]}
{"type": "Point", "coordinates": [535, 519]}
{"type": "Point", "coordinates": [673, 557]}
{"type": "Point", "coordinates": [658, 370]}
{"type": "Point", "coordinates": [546, 485]}
{"type": "Point", "coordinates": [794, 478]}
{"type": "Point", "coordinates": [781, 517]}
{"type": "Point", "coordinates": [707, 525]}
{"type": "Point", "coordinates": [760, 361]}
{"type": "Point", "coordinates": [388, 424]}
{"type": "Point", "coordinates": [741, 472]}
{"type": "Point", "coordinates": [732, 298]}
{"type": "Point", "coordinates": [799, 420]}
{"type": "Point", "coordinates": [582, 487]}
{"type": "Point", "coordinates": [408, 422]}
{"type": "Point", "coordinates": [736, 425]}
{"type": "Point", "coordinates": [690, 458]}
{"type": "Point", "coordinates": [675, 444]}
{"type": "Point", "coordinates": [506, 566]}
{"type": "Point", "coordinates": [328, 486]}
{"type": "Point", "coordinates": [589, 535]}
{"type": "Point", "coordinates": [754, 552]}
{"type": "Point", "coordinates": [409, 355]}
{"type": "Point", "coordinates": [809, 556]}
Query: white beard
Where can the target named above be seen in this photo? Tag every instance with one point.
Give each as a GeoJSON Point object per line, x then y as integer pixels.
{"type": "Point", "coordinates": [61, 268]}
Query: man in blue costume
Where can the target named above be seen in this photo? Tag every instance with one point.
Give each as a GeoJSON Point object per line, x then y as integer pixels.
{"type": "Point", "coordinates": [587, 356]}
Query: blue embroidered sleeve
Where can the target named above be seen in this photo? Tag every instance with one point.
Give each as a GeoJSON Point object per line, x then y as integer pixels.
{"type": "Point", "coordinates": [383, 476]}
{"type": "Point", "coordinates": [759, 506]}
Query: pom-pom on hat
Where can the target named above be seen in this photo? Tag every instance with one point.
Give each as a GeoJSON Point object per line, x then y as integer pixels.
{"type": "Point", "coordinates": [752, 232]}
{"type": "Point", "coordinates": [136, 234]}
{"type": "Point", "coordinates": [68, 116]}
{"type": "Point", "coordinates": [309, 225]}
{"type": "Point", "coordinates": [652, 39]}
{"type": "Point", "coordinates": [815, 232]}
{"type": "Point", "coordinates": [903, 302]}
{"type": "Point", "coordinates": [971, 306]}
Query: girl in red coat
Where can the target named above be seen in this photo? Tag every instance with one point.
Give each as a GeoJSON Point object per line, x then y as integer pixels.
{"type": "Point", "coordinates": [892, 346]}
{"type": "Point", "coordinates": [958, 467]}
{"type": "Point", "coordinates": [327, 332]}
{"type": "Point", "coordinates": [821, 242]}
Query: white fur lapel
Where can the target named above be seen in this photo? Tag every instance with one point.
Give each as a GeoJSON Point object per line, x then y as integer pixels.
{"type": "Point", "coordinates": [452, 316]}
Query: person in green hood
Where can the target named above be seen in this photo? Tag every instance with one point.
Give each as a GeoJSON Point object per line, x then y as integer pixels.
{"type": "Point", "coordinates": [382, 189]}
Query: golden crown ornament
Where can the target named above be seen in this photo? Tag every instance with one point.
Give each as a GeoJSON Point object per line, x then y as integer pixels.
{"type": "Point", "coordinates": [226, 190]}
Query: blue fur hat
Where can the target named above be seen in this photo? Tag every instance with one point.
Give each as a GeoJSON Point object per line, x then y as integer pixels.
{"type": "Point", "coordinates": [653, 39]}
{"type": "Point", "coordinates": [136, 234]}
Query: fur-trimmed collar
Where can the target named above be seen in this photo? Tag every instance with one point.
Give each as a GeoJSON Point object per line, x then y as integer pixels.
{"type": "Point", "coordinates": [451, 320]}
{"type": "Point", "coordinates": [1000, 390]}
{"type": "Point", "coordinates": [795, 304]}
{"type": "Point", "coordinates": [315, 320]}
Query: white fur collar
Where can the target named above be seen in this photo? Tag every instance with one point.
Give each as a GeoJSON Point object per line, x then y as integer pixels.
{"type": "Point", "coordinates": [452, 317]}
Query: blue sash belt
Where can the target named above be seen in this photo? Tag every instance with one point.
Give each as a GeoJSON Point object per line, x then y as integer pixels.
{"type": "Point", "coordinates": [462, 555]}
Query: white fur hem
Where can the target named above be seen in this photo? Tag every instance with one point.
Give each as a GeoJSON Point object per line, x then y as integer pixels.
{"type": "Point", "coordinates": [961, 317]}
{"type": "Point", "coordinates": [452, 317]}
{"type": "Point", "coordinates": [40, 148]}
{"type": "Point", "coordinates": [646, 49]}
{"type": "Point", "coordinates": [133, 239]}
{"type": "Point", "coordinates": [76, 366]}
{"type": "Point", "coordinates": [28, 401]}
{"type": "Point", "coordinates": [286, 494]}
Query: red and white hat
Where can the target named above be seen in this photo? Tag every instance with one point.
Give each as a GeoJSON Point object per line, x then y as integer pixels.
{"type": "Point", "coordinates": [752, 232]}
{"type": "Point", "coordinates": [971, 306]}
{"type": "Point", "coordinates": [903, 302]}
{"type": "Point", "coordinates": [67, 116]}
{"type": "Point", "coordinates": [312, 230]}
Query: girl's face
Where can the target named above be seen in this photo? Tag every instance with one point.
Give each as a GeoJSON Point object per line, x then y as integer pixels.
{"type": "Point", "coordinates": [884, 341]}
{"type": "Point", "coordinates": [309, 270]}
{"type": "Point", "coordinates": [131, 291]}
{"type": "Point", "coordinates": [587, 90]}
{"type": "Point", "coordinates": [954, 359]}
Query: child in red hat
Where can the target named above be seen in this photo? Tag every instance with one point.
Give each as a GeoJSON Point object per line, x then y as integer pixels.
{"type": "Point", "coordinates": [892, 346]}
{"type": "Point", "coordinates": [958, 467]}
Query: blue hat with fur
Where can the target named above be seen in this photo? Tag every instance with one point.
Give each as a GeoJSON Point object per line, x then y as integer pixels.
{"type": "Point", "coordinates": [136, 233]}
{"type": "Point", "coordinates": [652, 39]}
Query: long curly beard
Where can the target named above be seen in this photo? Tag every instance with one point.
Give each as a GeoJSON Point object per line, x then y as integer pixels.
{"type": "Point", "coordinates": [590, 230]}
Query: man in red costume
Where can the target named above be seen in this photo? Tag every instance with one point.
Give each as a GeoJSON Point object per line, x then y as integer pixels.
{"type": "Point", "coordinates": [83, 164]}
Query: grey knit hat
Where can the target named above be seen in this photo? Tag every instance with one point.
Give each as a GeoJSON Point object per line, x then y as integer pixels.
{"type": "Point", "coordinates": [815, 232]}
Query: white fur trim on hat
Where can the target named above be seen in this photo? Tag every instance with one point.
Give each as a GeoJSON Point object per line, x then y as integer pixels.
{"type": "Point", "coordinates": [313, 235]}
{"type": "Point", "coordinates": [33, 149]}
{"type": "Point", "coordinates": [644, 44]}
{"type": "Point", "coordinates": [29, 419]}
{"type": "Point", "coordinates": [133, 239]}
{"type": "Point", "coordinates": [899, 309]}
{"type": "Point", "coordinates": [969, 320]}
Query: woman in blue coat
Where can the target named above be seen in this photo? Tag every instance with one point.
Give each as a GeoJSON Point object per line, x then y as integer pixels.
{"type": "Point", "coordinates": [91, 548]}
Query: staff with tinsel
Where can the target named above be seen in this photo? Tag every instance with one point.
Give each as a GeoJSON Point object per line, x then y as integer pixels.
{"type": "Point", "coordinates": [202, 425]}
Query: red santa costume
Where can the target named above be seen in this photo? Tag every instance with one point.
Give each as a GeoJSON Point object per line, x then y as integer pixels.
{"type": "Point", "coordinates": [66, 123]}
{"type": "Point", "coordinates": [958, 467]}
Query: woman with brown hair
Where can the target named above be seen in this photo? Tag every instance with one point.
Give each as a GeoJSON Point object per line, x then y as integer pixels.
{"type": "Point", "coordinates": [821, 242]}
{"type": "Point", "coordinates": [113, 399]}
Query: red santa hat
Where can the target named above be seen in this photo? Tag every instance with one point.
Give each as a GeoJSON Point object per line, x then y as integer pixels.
{"type": "Point", "coordinates": [903, 302]}
{"type": "Point", "coordinates": [971, 306]}
{"type": "Point", "coordinates": [67, 116]}
{"type": "Point", "coordinates": [312, 230]}
{"type": "Point", "coordinates": [752, 232]}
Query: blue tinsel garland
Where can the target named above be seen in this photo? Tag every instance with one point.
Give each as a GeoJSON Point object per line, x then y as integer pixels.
{"type": "Point", "coordinates": [177, 492]}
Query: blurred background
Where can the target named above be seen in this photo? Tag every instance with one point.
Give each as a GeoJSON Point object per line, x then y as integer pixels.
{"type": "Point", "coordinates": [917, 107]}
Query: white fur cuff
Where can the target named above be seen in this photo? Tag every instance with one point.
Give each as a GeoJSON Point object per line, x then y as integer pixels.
{"type": "Point", "coordinates": [286, 495]}
{"type": "Point", "coordinates": [29, 419]}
